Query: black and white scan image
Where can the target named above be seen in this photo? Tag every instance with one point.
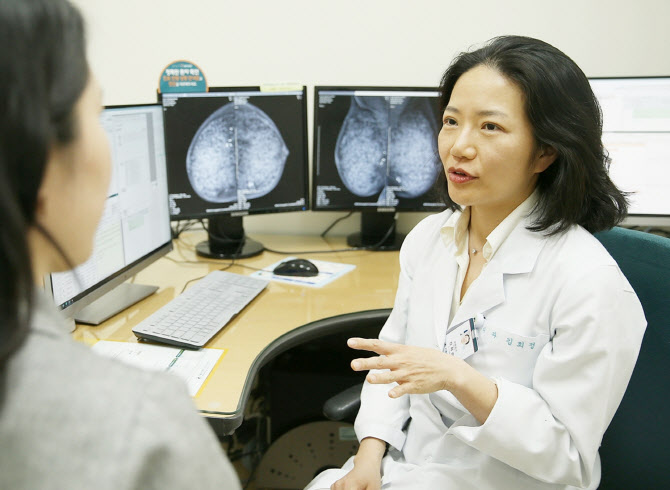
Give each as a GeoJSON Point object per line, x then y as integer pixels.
{"type": "Point", "coordinates": [388, 145]}
{"type": "Point", "coordinates": [238, 152]}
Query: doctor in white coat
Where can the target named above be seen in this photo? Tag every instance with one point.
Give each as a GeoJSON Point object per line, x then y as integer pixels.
{"type": "Point", "coordinates": [511, 267]}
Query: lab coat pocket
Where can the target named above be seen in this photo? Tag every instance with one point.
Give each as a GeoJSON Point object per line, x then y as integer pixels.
{"type": "Point", "coordinates": [507, 354]}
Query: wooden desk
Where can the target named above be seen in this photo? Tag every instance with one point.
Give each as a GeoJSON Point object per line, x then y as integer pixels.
{"type": "Point", "coordinates": [279, 309]}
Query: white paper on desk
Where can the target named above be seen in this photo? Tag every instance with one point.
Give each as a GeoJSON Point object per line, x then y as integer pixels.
{"type": "Point", "coordinates": [191, 366]}
{"type": "Point", "coordinates": [328, 272]}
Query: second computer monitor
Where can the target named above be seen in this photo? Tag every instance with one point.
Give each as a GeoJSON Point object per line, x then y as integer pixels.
{"type": "Point", "coordinates": [636, 134]}
{"type": "Point", "coordinates": [375, 151]}
{"type": "Point", "coordinates": [232, 152]}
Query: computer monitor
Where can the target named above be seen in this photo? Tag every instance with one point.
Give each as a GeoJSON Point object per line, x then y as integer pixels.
{"type": "Point", "coordinates": [375, 151]}
{"type": "Point", "coordinates": [636, 133]}
{"type": "Point", "coordinates": [232, 152]}
{"type": "Point", "coordinates": [135, 227]}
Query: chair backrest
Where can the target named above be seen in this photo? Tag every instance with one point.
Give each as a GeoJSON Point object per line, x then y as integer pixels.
{"type": "Point", "coordinates": [635, 450]}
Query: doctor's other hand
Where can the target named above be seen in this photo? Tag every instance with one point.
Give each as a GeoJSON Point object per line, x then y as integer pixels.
{"type": "Point", "coordinates": [366, 474]}
{"type": "Point", "coordinates": [417, 370]}
{"type": "Point", "coordinates": [361, 477]}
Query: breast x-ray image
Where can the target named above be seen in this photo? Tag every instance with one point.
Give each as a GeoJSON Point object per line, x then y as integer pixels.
{"type": "Point", "coordinates": [237, 152]}
{"type": "Point", "coordinates": [388, 143]}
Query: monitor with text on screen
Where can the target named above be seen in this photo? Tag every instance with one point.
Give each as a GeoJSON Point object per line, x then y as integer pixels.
{"type": "Point", "coordinates": [134, 230]}
{"type": "Point", "coordinates": [375, 151]}
{"type": "Point", "coordinates": [636, 133]}
{"type": "Point", "coordinates": [233, 152]}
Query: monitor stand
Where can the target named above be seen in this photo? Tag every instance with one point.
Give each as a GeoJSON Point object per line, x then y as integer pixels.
{"type": "Point", "coordinates": [374, 226]}
{"type": "Point", "coordinates": [227, 240]}
{"type": "Point", "coordinates": [113, 302]}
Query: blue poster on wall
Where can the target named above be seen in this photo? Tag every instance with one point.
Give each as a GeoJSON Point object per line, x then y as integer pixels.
{"type": "Point", "coordinates": [182, 76]}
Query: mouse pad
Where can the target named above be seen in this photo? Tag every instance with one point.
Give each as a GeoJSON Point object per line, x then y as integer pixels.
{"type": "Point", "coordinates": [328, 272]}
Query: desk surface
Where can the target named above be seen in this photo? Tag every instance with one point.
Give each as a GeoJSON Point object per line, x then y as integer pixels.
{"type": "Point", "coordinates": [278, 310]}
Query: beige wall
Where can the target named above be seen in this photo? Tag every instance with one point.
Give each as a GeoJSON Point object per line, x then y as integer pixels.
{"type": "Point", "coordinates": [361, 42]}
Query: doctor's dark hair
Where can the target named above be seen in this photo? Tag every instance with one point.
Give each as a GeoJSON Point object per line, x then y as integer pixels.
{"type": "Point", "coordinates": [564, 114]}
{"type": "Point", "coordinates": [44, 73]}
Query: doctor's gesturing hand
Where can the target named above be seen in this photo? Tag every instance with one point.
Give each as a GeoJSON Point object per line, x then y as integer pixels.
{"type": "Point", "coordinates": [421, 370]}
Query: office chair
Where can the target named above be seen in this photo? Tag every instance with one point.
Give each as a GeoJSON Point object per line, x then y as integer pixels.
{"type": "Point", "coordinates": [635, 450]}
{"type": "Point", "coordinates": [300, 371]}
{"type": "Point", "coordinates": [315, 359]}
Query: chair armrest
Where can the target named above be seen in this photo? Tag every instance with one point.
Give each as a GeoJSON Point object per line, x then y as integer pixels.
{"type": "Point", "coordinates": [344, 406]}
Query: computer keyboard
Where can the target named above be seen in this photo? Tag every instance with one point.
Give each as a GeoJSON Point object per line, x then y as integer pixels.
{"type": "Point", "coordinates": [195, 316]}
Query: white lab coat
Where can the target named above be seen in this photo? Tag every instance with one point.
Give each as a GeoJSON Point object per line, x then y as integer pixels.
{"type": "Point", "coordinates": [560, 338]}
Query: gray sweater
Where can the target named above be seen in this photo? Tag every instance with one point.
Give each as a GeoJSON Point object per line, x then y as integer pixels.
{"type": "Point", "coordinates": [70, 419]}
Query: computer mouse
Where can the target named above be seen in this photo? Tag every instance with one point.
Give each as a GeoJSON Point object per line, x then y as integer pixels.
{"type": "Point", "coordinates": [296, 267]}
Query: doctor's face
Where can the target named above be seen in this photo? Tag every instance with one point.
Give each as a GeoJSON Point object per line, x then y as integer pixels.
{"type": "Point", "coordinates": [486, 143]}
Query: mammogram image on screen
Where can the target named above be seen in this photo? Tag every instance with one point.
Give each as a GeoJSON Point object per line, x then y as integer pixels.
{"type": "Point", "coordinates": [238, 151]}
{"type": "Point", "coordinates": [388, 143]}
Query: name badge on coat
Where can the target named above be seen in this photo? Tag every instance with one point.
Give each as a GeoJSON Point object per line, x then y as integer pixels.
{"type": "Point", "coordinates": [461, 341]}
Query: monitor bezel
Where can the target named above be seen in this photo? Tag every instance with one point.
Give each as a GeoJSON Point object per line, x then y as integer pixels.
{"type": "Point", "coordinates": [640, 219]}
{"type": "Point", "coordinates": [81, 300]}
{"type": "Point", "coordinates": [368, 209]}
{"type": "Point", "coordinates": [305, 156]}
